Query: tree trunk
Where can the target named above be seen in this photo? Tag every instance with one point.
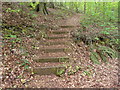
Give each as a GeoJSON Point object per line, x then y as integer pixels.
{"type": "Point", "coordinates": [37, 8]}
{"type": "Point", "coordinates": [42, 8]}
{"type": "Point", "coordinates": [45, 9]}
{"type": "Point", "coordinates": [84, 7]}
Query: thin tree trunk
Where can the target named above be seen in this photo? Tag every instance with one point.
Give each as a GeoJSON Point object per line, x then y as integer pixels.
{"type": "Point", "coordinates": [37, 8]}
{"type": "Point", "coordinates": [103, 9]}
{"type": "Point", "coordinates": [84, 7]}
{"type": "Point", "coordinates": [45, 9]}
{"type": "Point", "coordinates": [95, 7]}
{"type": "Point", "coordinates": [42, 8]}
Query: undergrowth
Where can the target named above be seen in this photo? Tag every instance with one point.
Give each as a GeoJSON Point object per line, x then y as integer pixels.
{"type": "Point", "coordinates": [101, 36]}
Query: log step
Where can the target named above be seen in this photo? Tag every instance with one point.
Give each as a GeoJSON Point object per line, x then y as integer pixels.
{"type": "Point", "coordinates": [67, 26]}
{"type": "Point", "coordinates": [55, 50]}
{"type": "Point", "coordinates": [37, 55]}
{"type": "Point", "coordinates": [47, 70]}
{"type": "Point", "coordinates": [53, 46]}
{"type": "Point", "coordinates": [57, 59]}
{"type": "Point", "coordinates": [56, 43]}
{"type": "Point", "coordinates": [60, 32]}
{"type": "Point", "coordinates": [59, 40]}
{"type": "Point", "coordinates": [62, 37]}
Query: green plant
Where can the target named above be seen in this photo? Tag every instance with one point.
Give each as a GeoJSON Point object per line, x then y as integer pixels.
{"type": "Point", "coordinates": [73, 70]}
{"type": "Point", "coordinates": [20, 76]}
{"type": "Point", "coordinates": [34, 15]}
{"type": "Point", "coordinates": [87, 73]}
{"type": "Point", "coordinates": [105, 32]}
{"type": "Point", "coordinates": [43, 34]}
{"type": "Point", "coordinates": [34, 4]}
{"type": "Point", "coordinates": [25, 63]}
{"type": "Point", "coordinates": [7, 36]}
{"type": "Point", "coordinates": [94, 57]}
{"type": "Point", "coordinates": [110, 52]}
{"type": "Point", "coordinates": [102, 52]}
{"type": "Point", "coordinates": [11, 10]}
{"type": "Point", "coordinates": [13, 38]}
{"type": "Point", "coordinates": [60, 72]}
{"type": "Point", "coordinates": [22, 3]}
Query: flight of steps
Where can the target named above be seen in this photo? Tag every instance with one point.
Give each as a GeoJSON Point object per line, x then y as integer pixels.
{"type": "Point", "coordinates": [55, 53]}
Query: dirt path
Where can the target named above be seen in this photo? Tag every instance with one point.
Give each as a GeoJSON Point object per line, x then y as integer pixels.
{"type": "Point", "coordinates": [74, 20]}
{"type": "Point", "coordinates": [57, 51]}
{"type": "Point", "coordinates": [71, 21]}
{"type": "Point", "coordinates": [97, 76]}
{"type": "Point", "coordinates": [88, 76]}
{"type": "Point", "coordinates": [46, 79]}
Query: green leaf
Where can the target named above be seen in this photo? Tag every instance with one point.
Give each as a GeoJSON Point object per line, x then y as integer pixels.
{"type": "Point", "coordinates": [26, 61]}
{"type": "Point", "coordinates": [107, 28]}
{"type": "Point", "coordinates": [94, 57]}
{"type": "Point", "coordinates": [26, 67]}
{"type": "Point", "coordinates": [102, 25]}
{"type": "Point", "coordinates": [105, 32]}
{"type": "Point", "coordinates": [20, 76]}
{"type": "Point", "coordinates": [96, 38]}
{"type": "Point", "coordinates": [17, 62]}
{"type": "Point", "coordinates": [106, 50]}
{"type": "Point", "coordinates": [21, 3]}
{"type": "Point", "coordinates": [60, 72]}
{"type": "Point", "coordinates": [13, 36]}
{"type": "Point", "coordinates": [23, 64]}
{"type": "Point", "coordinates": [103, 57]}
{"type": "Point", "coordinates": [87, 73]}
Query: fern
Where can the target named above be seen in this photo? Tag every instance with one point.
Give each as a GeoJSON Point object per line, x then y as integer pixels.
{"type": "Point", "coordinates": [103, 56]}
{"type": "Point", "coordinates": [110, 52]}
{"type": "Point", "coordinates": [102, 52]}
{"type": "Point", "coordinates": [94, 57]}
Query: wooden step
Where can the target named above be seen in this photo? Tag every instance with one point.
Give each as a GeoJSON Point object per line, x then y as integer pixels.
{"type": "Point", "coordinates": [38, 55]}
{"type": "Point", "coordinates": [54, 59]}
{"type": "Point", "coordinates": [47, 70]}
{"type": "Point", "coordinates": [62, 37]}
{"type": "Point", "coordinates": [56, 43]}
{"type": "Point", "coordinates": [52, 46]}
{"type": "Point", "coordinates": [60, 32]}
{"type": "Point", "coordinates": [58, 40]}
{"type": "Point", "coordinates": [48, 64]}
{"type": "Point", "coordinates": [58, 35]}
{"type": "Point", "coordinates": [67, 26]}
{"type": "Point", "coordinates": [55, 50]}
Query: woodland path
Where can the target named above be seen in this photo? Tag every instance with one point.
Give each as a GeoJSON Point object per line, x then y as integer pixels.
{"type": "Point", "coordinates": [53, 64]}
{"type": "Point", "coordinates": [55, 49]}
{"type": "Point", "coordinates": [73, 21]}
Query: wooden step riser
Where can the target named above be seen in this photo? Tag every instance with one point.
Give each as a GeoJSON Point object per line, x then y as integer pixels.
{"type": "Point", "coordinates": [50, 55]}
{"type": "Point", "coordinates": [59, 40]}
{"type": "Point", "coordinates": [67, 26]}
{"type": "Point", "coordinates": [52, 60]}
{"type": "Point", "coordinates": [59, 32]}
{"type": "Point", "coordinates": [56, 37]}
{"type": "Point", "coordinates": [55, 50]}
{"type": "Point", "coordinates": [46, 70]}
{"type": "Point", "coordinates": [56, 43]}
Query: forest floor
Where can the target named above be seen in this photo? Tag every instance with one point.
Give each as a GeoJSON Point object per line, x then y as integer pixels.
{"type": "Point", "coordinates": [104, 75]}
{"type": "Point", "coordinates": [90, 76]}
